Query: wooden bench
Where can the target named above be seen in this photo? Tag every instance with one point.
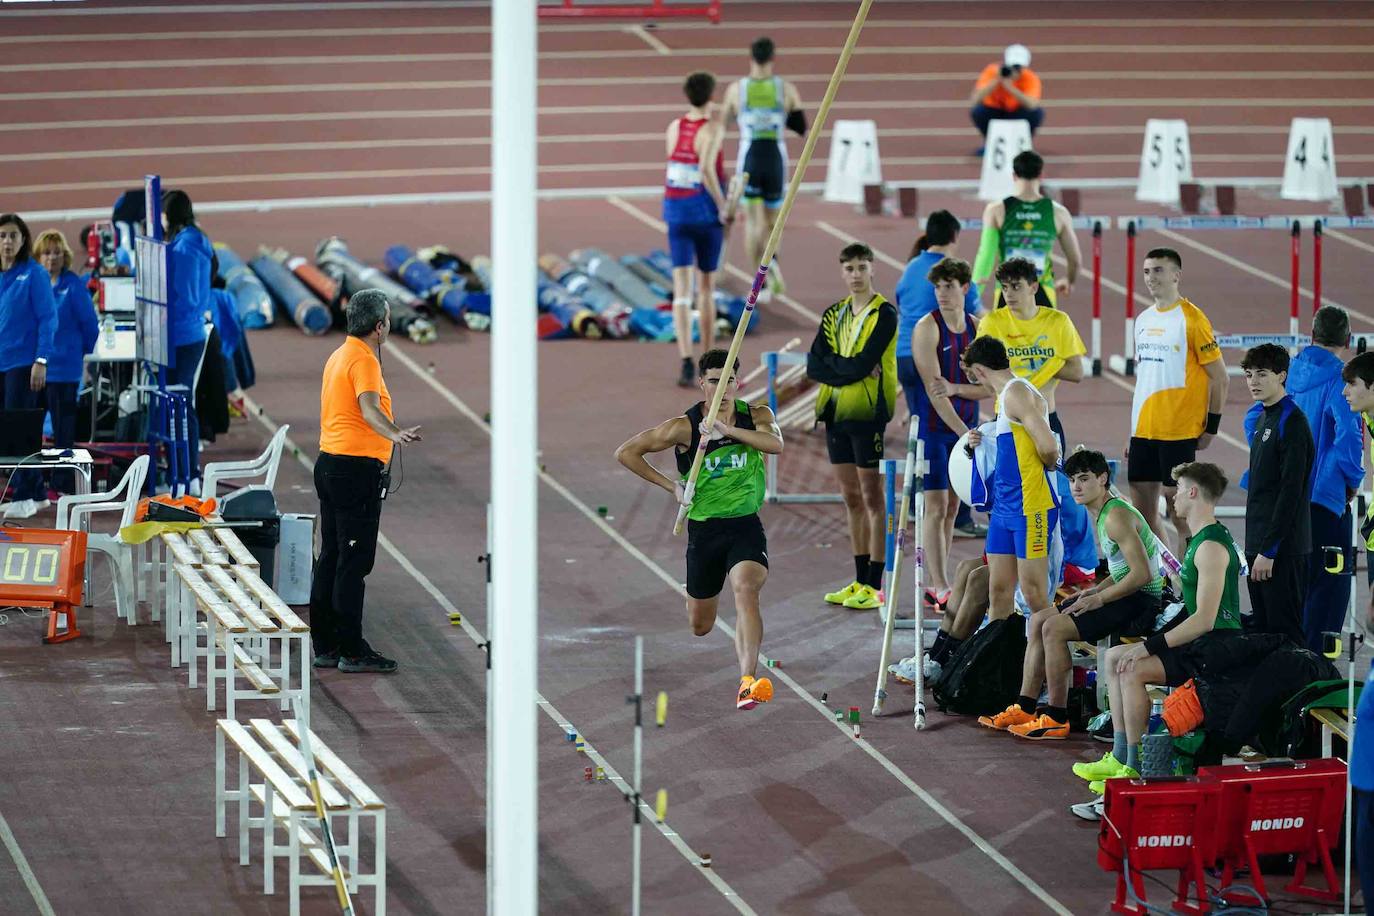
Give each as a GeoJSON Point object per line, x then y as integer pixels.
{"type": "Point", "coordinates": [239, 555]}
{"type": "Point", "coordinates": [1333, 722]}
{"type": "Point", "coordinates": [272, 792]}
{"type": "Point", "coordinates": [236, 632]}
{"type": "Point", "coordinates": [179, 619]}
{"type": "Point", "coordinates": [275, 639]}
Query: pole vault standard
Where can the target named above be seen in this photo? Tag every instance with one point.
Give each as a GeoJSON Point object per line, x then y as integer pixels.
{"type": "Point", "coordinates": [513, 789]}
{"type": "Point", "coordinates": [770, 249]}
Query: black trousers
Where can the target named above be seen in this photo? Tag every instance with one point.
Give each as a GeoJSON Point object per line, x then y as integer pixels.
{"type": "Point", "coordinates": [982, 116]}
{"type": "Point", "coordinates": [349, 489]}
{"type": "Point", "coordinates": [1276, 603]}
{"type": "Point", "coordinates": [1328, 594]}
{"type": "Point", "coordinates": [62, 409]}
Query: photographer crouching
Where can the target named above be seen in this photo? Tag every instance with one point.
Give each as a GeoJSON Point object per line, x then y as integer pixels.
{"type": "Point", "coordinates": [1007, 91]}
{"type": "Point", "coordinates": [352, 476]}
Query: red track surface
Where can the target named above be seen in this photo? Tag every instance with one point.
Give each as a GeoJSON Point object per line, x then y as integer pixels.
{"type": "Point", "coordinates": [798, 818]}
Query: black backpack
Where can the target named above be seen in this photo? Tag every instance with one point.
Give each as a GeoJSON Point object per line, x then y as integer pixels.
{"type": "Point", "coordinates": [984, 676]}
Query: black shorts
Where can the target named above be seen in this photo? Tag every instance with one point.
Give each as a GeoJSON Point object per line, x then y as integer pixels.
{"type": "Point", "coordinates": [767, 169]}
{"type": "Point", "coordinates": [715, 545]}
{"type": "Point", "coordinates": [1193, 659]}
{"type": "Point", "coordinates": [1133, 615]}
{"type": "Point", "coordinates": [1153, 460]}
{"type": "Point", "coordinates": [859, 444]}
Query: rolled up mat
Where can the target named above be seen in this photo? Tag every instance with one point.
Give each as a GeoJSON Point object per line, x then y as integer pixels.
{"type": "Point", "coordinates": [327, 289]}
{"type": "Point", "coordinates": [408, 311]}
{"type": "Point", "coordinates": [310, 314]}
{"type": "Point", "coordinates": [596, 263]}
{"type": "Point", "coordinates": [652, 324]}
{"type": "Point", "coordinates": [251, 299]}
{"type": "Point", "coordinates": [660, 284]}
{"type": "Point", "coordinates": [568, 310]}
{"type": "Point", "coordinates": [445, 291]}
{"type": "Point", "coordinates": [647, 272]}
{"type": "Point", "coordinates": [612, 311]}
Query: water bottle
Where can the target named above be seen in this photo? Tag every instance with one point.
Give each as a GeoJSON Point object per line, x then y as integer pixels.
{"type": "Point", "coordinates": [1157, 746]}
{"type": "Point", "coordinates": [107, 331]}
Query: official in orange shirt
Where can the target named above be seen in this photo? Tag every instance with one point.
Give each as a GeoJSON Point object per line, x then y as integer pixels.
{"type": "Point", "coordinates": [352, 475]}
{"type": "Point", "coordinates": [1007, 91]}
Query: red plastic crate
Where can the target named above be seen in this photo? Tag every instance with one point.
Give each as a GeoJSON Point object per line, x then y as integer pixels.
{"type": "Point", "coordinates": [1291, 808]}
{"type": "Point", "coordinates": [1159, 824]}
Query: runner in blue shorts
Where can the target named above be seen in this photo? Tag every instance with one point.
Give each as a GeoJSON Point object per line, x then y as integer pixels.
{"type": "Point", "coordinates": [944, 401]}
{"type": "Point", "coordinates": [693, 208]}
{"type": "Point", "coordinates": [1025, 498]}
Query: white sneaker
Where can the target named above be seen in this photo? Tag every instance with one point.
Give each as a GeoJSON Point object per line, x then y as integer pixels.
{"type": "Point", "coordinates": [932, 669]}
{"type": "Point", "coordinates": [904, 670]}
{"type": "Point", "coordinates": [1088, 811]}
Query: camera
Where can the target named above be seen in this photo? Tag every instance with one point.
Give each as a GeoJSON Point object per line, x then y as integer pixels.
{"type": "Point", "coordinates": [1006, 71]}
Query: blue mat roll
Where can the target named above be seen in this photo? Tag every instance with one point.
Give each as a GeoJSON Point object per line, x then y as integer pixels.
{"type": "Point", "coordinates": [291, 295]}
{"type": "Point", "coordinates": [728, 306]}
{"type": "Point", "coordinates": [251, 299]}
{"type": "Point", "coordinates": [661, 285]}
{"type": "Point", "coordinates": [448, 295]}
{"type": "Point", "coordinates": [652, 324]}
{"type": "Point", "coordinates": [409, 313]}
{"type": "Point", "coordinates": [601, 266]}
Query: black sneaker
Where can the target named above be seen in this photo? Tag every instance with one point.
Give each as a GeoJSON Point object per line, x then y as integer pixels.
{"type": "Point", "coordinates": [328, 659]}
{"type": "Point", "coordinates": [688, 378]}
{"type": "Point", "coordinates": [1104, 731]}
{"type": "Point", "coordinates": [369, 662]}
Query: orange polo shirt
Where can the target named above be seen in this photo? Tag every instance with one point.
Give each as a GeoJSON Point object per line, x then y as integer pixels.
{"type": "Point", "coordinates": [351, 370]}
{"type": "Point", "coordinates": [1000, 98]}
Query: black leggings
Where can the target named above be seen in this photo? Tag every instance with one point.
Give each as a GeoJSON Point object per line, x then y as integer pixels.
{"type": "Point", "coordinates": [349, 488]}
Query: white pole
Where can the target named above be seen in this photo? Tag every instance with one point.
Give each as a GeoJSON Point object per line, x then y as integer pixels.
{"type": "Point", "coordinates": [512, 800]}
{"type": "Point", "coordinates": [637, 788]}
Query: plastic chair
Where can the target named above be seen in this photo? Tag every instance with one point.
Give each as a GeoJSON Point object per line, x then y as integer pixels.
{"type": "Point", "coordinates": [265, 466]}
{"type": "Point", "coordinates": [73, 512]}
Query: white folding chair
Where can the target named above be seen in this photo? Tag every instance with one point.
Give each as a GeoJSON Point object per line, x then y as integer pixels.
{"type": "Point", "coordinates": [264, 466]}
{"type": "Point", "coordinates": [73, 512]}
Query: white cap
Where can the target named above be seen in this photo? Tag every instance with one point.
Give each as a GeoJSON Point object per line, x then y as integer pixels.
{"type": "Point", "coordinates": [1016, 56]}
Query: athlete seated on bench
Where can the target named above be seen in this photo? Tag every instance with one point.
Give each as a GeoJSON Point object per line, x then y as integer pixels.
{"type": "Point", "coordinates": [1211, 573]}
{"type": "Point", "coordinates": [1126, 603]}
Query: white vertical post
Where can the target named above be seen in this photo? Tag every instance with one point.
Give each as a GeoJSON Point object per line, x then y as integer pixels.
{"type": "Point", "coordinates": [513, 793]}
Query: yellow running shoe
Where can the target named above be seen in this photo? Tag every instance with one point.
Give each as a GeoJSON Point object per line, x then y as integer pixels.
{"type": "Point", "coordinates": [843, 594]}
{"type": "Point", "coordinates": [1012, 715]}
{"type": "Point", "coordinates": [1099, 786]}
{"type": "Point", "coordinates": [1099, 770]}
{"type": "Point", "coordinates": [865, 598]}
{"type": "Point", "coordinates": [753, 691]}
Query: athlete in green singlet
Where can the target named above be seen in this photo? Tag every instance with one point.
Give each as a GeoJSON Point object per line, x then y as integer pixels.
{"type": "Point", "coordinates": [1211, 573]}
{"type": "Point", "coordinates": [725, 537]}
{"type": "Point", "coordinates": [1026, 225]}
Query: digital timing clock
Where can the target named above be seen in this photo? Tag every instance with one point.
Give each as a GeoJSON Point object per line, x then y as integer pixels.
{"type": "Point", "coordinates": [41, 567]}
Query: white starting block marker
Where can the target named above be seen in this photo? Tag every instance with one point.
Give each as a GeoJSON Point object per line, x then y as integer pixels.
{"type": "Point", "coordinates": [1165, 160]}
{"type": "Point", "coordinates": [1006, 139]}
{"type": "Point", "coordinates": [853, 161]}
{"type": "Point", "coordinates": [1309, 171]}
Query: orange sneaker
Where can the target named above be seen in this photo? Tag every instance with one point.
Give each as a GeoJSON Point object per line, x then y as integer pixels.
{"type": "Point", "coordinates": [1012, 715]}
{"type": "Point", "coordinates": [1041, 728]}
{"type": "Point", "coordinates": [753, 691]}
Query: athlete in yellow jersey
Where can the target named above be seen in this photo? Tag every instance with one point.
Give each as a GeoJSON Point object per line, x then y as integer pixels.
{"type": "Point", "coordinates": [1180, 389]}
{"type": "Point", "coordinates": [1042, 344]}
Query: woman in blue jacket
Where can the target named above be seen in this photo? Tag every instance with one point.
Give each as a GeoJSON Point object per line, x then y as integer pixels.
{"type": "Point", "coordinates": [188, 287]}
{"type": "Point", "coordinates": [27, 322]}
{"type": "Point", "coordinates": [77, 330]}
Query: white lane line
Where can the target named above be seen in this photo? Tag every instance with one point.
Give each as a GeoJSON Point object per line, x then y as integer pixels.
{"type": "Point", "coordinates": [1087, 275]}
{"type": "Point", "coordinates": [478, 639]}
{"type": "Point", "coordinates": [125, 10]}
{"type": "Point", "coordinates": [1349, 239]}
{"type": "Point", "coordinates": [648, 38]}
{"type": "Point", "coordinates": [621, 204]}
{"type": "Point", "coordinates": [671, 581]}
{"type": "Point", "coordinates": [21, 863]}
{"type": "Point", "coordinates": [1282, 282]}
{"type": "Point", "coordinates": [924, 25]}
